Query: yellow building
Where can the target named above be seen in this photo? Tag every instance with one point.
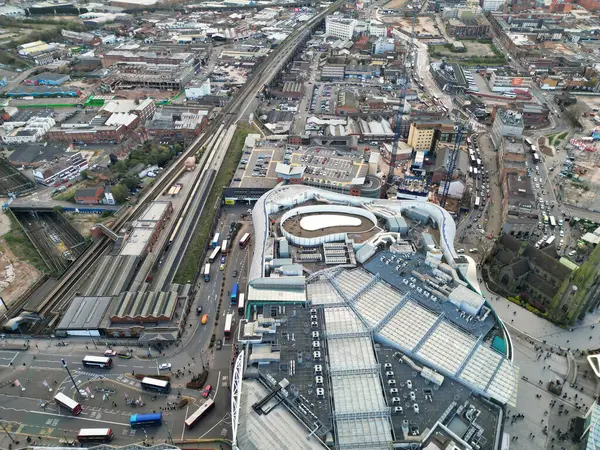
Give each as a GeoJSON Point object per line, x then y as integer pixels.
{"type": "Point", "coordinates": [420, 135]}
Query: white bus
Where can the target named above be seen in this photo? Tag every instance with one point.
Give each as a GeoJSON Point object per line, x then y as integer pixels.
{"type": "Point", "coordinates": [228, 326]}
{"type": "Point", "coordinates": [199, 414]}
{"type": "Point", "coordinates": [97, 361]}
{"type": "Point", "coordinates": [207, 272]}
{"type": "Point", "coordinates": [550, 240]}
{"type": "Point", "coordinates": [477, 202]}
{"type": "Point", "coordinates": [244, 240]}
{"type": "Point", "coordinates": [552, 221]}
{"type": "Point", "coordinates": [214, 255]}
{"type": "Point", "coordinates": [68, 403]}
{"type": "Point", "coordinates": [95, 435]}
{"type": "Point", "coordinates": [153, 384]}
{"type": "Point", "coordinates": [224, 247]}
{"type": "Point", "coordinates": [241, 304]}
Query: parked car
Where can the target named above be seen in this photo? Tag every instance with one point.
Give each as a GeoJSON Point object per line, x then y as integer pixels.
{"type": "Point", "coordinates": [125, 355]}
{"type": "Point", "coordinates": [219, 344]}
{"type": "Point", "coordinates": [199, 310]}
{"type": "Point", "coordinates": [110, 353]}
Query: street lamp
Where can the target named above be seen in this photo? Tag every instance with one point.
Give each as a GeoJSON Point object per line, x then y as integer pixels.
{"type": "Point", "coordinates": [92, 338]}
{"type": "Point", "coordinates": [64, 363]}
{"type": "Point", "coordinates": [6, 431]}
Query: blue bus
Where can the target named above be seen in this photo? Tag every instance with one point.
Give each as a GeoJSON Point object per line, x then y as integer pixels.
{"type": "Point", "coordinates": [145, 420]}
{"type": "Point", "coordinates": [234, 294]}
{"type": "Point", "coordinates": [215, 241]}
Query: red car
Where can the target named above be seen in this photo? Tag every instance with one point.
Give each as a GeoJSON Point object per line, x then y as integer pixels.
{"type": "Point", "coordinates": [490, 236]}
{"type": "Point", "coordinates": [207, 390]}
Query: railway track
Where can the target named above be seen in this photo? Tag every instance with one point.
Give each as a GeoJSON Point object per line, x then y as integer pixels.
{"type": "Point", "coordinates": [68, 283]}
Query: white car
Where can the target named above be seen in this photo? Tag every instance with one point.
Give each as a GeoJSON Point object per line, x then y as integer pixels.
{"type": "Point", "coordinates": [165, 366]}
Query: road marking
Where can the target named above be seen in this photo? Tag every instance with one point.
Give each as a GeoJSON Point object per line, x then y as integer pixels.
{"type": "Point", "coordinates": [139, 367]}
{"type": "Point", "coordinates": [79, 418]}
{"type": "Point", "coordinates": [208, 431]}
{"type": "Point", "coordinates": [218, 382]}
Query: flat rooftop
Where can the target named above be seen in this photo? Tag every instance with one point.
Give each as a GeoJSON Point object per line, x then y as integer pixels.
{"type": "Point", "coordinates": [394, 269]}
{"type": "Point", "coordinates": [435, 402]}
{"type": "Point", "coordinates": [424, 334]}
{"type": "Point", "coordinates": [326, 166]}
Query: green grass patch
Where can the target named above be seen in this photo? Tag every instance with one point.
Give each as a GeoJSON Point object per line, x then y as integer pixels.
{"type": "Point", "coordinates": [562, 136]}
{"type": "Point", "coordinates": [10, 60]}
{"type": "Point", "coordinates": [22, 247]}
{"type": "Point", "coordinates": [66, 196]}
{"type": "Point", "coordinates": [191, 260]}
{"type": "Point", "coordinates": [551, 138]}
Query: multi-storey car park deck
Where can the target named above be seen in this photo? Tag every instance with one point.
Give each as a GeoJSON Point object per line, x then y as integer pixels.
{"type": "Point", "coordinates": [402, 349]}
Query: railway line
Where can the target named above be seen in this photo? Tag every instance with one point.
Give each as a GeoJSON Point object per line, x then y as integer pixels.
{"type": "Point", "coordinates": [68, 284]}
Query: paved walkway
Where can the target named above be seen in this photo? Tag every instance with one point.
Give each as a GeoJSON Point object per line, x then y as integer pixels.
{"type": "Point", "coordinates": [543, 330]}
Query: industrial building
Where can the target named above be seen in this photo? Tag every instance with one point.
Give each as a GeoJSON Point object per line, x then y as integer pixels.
{"type": "Point", "coordinates": [154, 76]}
{"type": "Point", "coordinates": [177, 124]}
{"type": "Point", "coordinates": [43, 91]}
{"type": "Point", "coordinates": [67, 166]}
{"type": "Point", "coordinates": [47, 79]}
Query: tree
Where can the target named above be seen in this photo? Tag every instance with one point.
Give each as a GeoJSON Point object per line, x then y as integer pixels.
{"type": "Point", "coordinates": [120, 193]}
{"type": "Point", "coordinates": [574, 112]}
{"type": "Point", "coordinates": [130, 182]}
{"type": "Point", "coordinates": [84, 175]}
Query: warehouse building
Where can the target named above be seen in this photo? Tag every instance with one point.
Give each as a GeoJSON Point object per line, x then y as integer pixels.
{"type": "Point", "coordinates": [43, 91]}
{"type": "Point", "coordinates": [47, 79]}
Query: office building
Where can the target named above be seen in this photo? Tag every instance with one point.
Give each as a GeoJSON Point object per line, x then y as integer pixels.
{"type": "Point", "coordinates": [506, 123]}
{"type": "Point", "coordinates": [340, 27]}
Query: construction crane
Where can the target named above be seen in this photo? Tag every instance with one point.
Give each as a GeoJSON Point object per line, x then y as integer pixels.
{"type": "Point", "coordinates": [461, 128]}
{"type": "Point", "coordinates": [408, 66]}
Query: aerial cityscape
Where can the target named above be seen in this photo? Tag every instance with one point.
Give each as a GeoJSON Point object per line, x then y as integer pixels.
{"type": "Point", "coordinates": [294, 225]}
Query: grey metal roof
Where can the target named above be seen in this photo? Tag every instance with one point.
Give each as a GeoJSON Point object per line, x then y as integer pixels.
{"type": "Point", "coordinates": [84, 313]}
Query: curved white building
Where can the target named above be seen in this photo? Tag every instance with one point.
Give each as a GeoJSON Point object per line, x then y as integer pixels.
{"type": "Point", "coordinates": [414, 313]}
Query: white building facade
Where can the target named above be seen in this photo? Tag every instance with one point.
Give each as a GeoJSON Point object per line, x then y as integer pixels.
{"type": "Point", "coordinates": [492, 5]}
{"type": "Point", "coordinates": [33, 131]}
{"type": "Point", "coordinates": [340, 27]}
{"type": "Point", "coordinates": [197, 91]}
